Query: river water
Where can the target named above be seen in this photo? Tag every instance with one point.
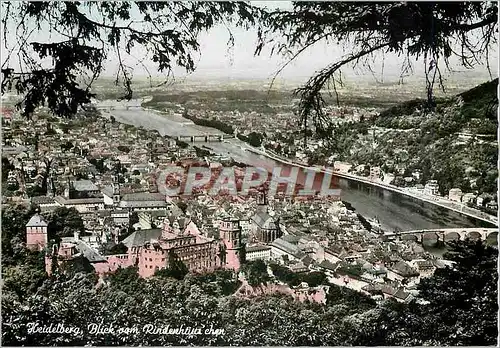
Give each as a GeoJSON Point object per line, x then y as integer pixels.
{"type": "Point", "coordinates": [394, 211]}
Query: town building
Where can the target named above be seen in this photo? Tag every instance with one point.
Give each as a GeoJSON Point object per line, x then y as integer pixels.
{"type": "Point", "coordinates": [455, 194]}
{"type": "Point", "coordinates": [113, 197]}
{"type": "Point", "coordinates": [431, 188]}
{"type": "Point", "coordinates": [374, 173]}
{"type": "Point", "coordinates": [82, 205]}
{"type": "Point", "coordinates": [258, 252]}
{"type": "Point", "coordinates": [342, 167]}
{"type": "Point", "coordinates": [468, 198]}
{"type": "Point", "coordinates": [72, 248]}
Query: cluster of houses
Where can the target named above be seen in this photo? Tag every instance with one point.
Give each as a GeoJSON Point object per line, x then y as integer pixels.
{"type": "Point", "coordinates": [280, 231]}
{"type": "Point", "coordinates": [105, 171]}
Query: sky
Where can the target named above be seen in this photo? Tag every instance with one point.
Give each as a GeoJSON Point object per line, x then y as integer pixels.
{"type": "Point", "coordinates": [217, 60]}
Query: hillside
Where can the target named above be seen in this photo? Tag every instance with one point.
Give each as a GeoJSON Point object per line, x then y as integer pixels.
{"type": "Point", "coordinates": [456, 144]}
{"type": "Point", "coordinates": [473, 111]}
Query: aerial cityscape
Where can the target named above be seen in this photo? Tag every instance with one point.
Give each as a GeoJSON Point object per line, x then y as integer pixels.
{"type": "Point", "coordinates": [241, 209]}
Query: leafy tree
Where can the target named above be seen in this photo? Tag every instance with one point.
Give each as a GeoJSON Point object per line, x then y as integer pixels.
{"type": "Point", "coordinates": [175, 268]}
{"type": "Point", "coordinates": [213, 123]}
{"type": "Point", "coordinates": [14, 220]}
{"type": "Point", "coordinates": [83, 34]}
{"type": "Point", "coordinates": [225, 280]}
{"type": "Point", "coordinates": [351, 270]}
{"type": "Point", "coordinates": [256, 272]}
{"type": "Point", "coordinates": [6, 168]}
{"type": "Point", "coordinates": [182, 206]}
{"type": "Point", "coordinates": [314, 279]}
{"type": "Point", "coordinates": [67, 146]}
{"type": "Point", "coordinates": [98, 164]}
{"type": "Point", "coordinates": [285, 275]}
{"type": "Point", "coordinates": [35, 191]}
{"type": "Point", "coordinates": [411, 29]}
{"type": "Point", "coordinates": [123, 148]}
{"type": "Point", "coordinates": [182, 144]}
{"type": "Point", "coordinates": [126, 276]}
{"type": "Point", "coordinates": [255, 139]}
{"type": "Point", "coordinates": [119, 248]}
{"type": "Point", "coordinates": [63, 222]}
{"type": "Point", "coordinates": [76, 265]}
{"type": "Point", "coordinates": [27, 275]}
{"type": "Point", "coordinates": [462, 299]}
{"type": "Point", "coordinates": [13, 186]}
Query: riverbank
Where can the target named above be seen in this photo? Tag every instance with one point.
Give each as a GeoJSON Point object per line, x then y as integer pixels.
{"type": "Point", "coordinates": [438, 201]}
{"type": "Point", "coordinates": [395, 212]}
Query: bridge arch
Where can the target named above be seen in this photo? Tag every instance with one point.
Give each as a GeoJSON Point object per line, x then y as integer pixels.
{"type": "Point", "coordinates": [452, 236]}
{"type": "Point", "coordinates": [474, 235]}
{"type": "Point", "coordinates": [492, 236]}
{"type": "Point", "coordinates": [409, 237]}
{"type": "Point", "coordinates": [430, 236]}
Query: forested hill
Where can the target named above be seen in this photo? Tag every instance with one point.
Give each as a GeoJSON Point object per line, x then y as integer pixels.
{"type": "Point", "coordinates": [473, 111]}
{"type": "Point", "coordinates": [455, 144]}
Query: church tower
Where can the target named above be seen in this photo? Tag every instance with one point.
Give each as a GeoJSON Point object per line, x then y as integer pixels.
{"type": "Point", "coordinates": [69, 191]}
{"type": "Point", "coordinates": [230, 235]}
{"type": "Point", "coordinates": [262, 201]}
{"type": "Point", "coordinates": [116, 190]}
{"type": "Point", "coordinates": [50, 186]}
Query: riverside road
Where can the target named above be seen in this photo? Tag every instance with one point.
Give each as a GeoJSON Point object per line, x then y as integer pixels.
{"type": "Point", "coordinates": [395, 211]}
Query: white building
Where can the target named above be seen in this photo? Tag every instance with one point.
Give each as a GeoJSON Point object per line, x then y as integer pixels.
{"type": "Point", "coordinates": [455, 194]}
{"type": "Point", "coordinates": [468, 198]}
{"type": "Point", "coordinates": [431, 188]}
{"type": "Point", "coordinates": [342, 167]}
{"type": "Point", "coordinates": [258, 252]}
{"type": "Point", "coordinates": [374, 173]}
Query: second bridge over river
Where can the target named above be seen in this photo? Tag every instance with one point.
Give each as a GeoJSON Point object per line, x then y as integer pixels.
{"type": "Point", "coordinates": [207, 138]}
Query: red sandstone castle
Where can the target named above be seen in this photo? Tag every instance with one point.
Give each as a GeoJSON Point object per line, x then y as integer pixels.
{"type": "Point", "coordinates": [149, 250]}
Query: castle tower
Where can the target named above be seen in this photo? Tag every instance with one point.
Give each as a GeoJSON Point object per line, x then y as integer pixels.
{"type": "Point", "coordinates": [230, 235]}
{"type": "Point", "coordinates": [36, 233]}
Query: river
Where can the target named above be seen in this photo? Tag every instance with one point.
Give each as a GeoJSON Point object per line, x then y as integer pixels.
{"type": "Point", "coordinates": [394, 210]}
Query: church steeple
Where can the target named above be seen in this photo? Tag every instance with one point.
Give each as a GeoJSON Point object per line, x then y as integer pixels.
{"type": "Point", "coordinates": [68, 192]}
{"type": "Point", "coordinates": [262, 197]}
{"type": "Point", "coordinates": [50, 186]}
{"type": "Point", "coordinates": [262, 201]}
{"type": "Point", "coordinates": [116, 190]}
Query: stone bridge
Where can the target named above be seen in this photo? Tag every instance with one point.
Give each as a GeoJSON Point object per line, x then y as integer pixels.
{"type": "Point", "coordinates": [445, 234]}
{"type": "Point", "coordinates": [209, 138]}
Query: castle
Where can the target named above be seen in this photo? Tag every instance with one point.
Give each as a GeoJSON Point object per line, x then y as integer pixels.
{"type": "Point", "coordinates": [149, 250]}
